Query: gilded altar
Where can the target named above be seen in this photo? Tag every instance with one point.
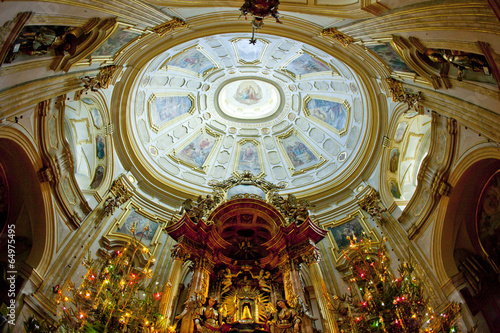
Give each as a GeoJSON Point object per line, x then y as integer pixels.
{"type": "Point", "coordinates": [246, 254]}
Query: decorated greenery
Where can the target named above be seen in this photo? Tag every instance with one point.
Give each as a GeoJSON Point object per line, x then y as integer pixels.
{"type": "Point", "coordinates": [382, 302]}
{"type": "Point", "coordinates": [114, 296]}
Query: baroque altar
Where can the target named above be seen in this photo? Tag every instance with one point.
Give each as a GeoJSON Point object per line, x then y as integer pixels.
{"type": "Point", "coordinates": [246, 244]}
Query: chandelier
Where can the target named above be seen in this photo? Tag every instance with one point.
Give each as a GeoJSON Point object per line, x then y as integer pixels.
{"type": "Point", "coordinates": [259, 9]}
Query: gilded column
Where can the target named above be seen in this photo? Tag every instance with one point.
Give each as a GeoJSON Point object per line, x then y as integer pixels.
{"type": "Point", "coordinates": [199, 286]}
{"type": "Point", "coordinates": [180, 255]}
{"type": "Point", "coordinates": [312, 259]}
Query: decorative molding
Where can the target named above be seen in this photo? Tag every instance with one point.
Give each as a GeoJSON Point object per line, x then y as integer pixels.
{"type": "Point", "coordinates": [169, 26]}
{"type": "Point", "coordinates": [98, 31]}
{"type": "Point", "coordinates": [374, 7]}
{"type": "Point", "coordinates": [399, 94]}
{"type": "Point", "coordinates": [338, 36]}
{"type": "Point", "coordinates": [495, 6]}
{"type": "Point", "coordinates": [9, 32]}
{"type": "Point", "coordinates": [101, 80]}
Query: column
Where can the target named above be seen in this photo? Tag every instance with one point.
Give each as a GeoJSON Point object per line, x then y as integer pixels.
{"type": "Point", "coordinates": [199, 284]}
{"type": "Point", "coordinates": [293, 287]}
{"type": "Point", "coordinates": [312, 259]}
{"type": "Point", "coordinates": [179, 255]}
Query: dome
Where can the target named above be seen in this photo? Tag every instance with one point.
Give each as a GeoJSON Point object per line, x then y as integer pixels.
{"type": "Point", "coordinates": [217, 106]}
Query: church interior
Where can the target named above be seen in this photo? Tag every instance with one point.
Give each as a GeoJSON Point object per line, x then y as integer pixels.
{"type": "Point", "coordinates": [250, 166]}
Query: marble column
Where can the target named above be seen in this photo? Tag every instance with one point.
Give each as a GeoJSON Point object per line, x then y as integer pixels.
{"type": "Point", "coordinates": [179, 255]}
{"type": "Point", "coordinates": [312, 259]}
{"type": "Point", "coordinates": [294, 288]}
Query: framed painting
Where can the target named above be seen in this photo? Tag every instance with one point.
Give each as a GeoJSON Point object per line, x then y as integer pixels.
{"type": "Point", "coordinates": [394, 188]}
{"type": "Point", "coordinates": [305, 63]}
{"type": "Point", "coordinates": [194, 61]}
{"type": "Point", "coordinates": [249, 157]}
{"type": "Point", "coordinates": [394, 160]}
{"type": "Point", "coordinates": [96, 118]}
{"type": "Point", "coordinates": [300, 156]}
{"type": "Point", "coordinates": [163, 109]}
{"type": "Point", "coordinates": [488, 218]}
{"type": "Point", "coordinates": [100, 143]}
{"type": "Point", "coordinates": [249, 54]}
{"type": "Point", "coordinates": [400, 132]}
{"type": "Point", "coordinates": [138, 225]}
{"type": "Point", "coordinates": [333, 112]}
{"type": "Point", "coordinates": [98, 177]}
{"type": "Point", "coordinates": [198, 150]}
{"type": "Point", "coordinates": [121, 38]}
{"type": "Point", "coordinates": [391, 58]}
{"type": "Point", "coordinates": [340, 233]}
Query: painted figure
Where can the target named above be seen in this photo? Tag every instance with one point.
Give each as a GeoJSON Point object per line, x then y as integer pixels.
{"type": "Point", "coordinates": [207, 318]}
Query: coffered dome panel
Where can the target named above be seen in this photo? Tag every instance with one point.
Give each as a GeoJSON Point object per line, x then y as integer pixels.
{"type": "Point", "coordinates": [215, 106]}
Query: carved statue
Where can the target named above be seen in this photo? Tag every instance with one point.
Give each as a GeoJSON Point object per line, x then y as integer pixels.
{"type": "Point", "coordinates": [263, 279]}
{"type": "Point", "coordinates": [227, 281]}
{"type": "Point", "coordinates": [461, 60]}
{"type": "Point", "coordinates": [300, 306]}
{"type": "Point", "coordinates": [207, 319]}
{"type": "Point", "coordinates": [197, 300]}
{"type": "Point", "coordinates": [286, 319]}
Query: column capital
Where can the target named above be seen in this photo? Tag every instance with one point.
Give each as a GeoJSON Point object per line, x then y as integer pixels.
{"type": "Point", "coordinates": [179, 253]}
{"type": "Point", "coordinates": [203, 263]}
{"type": "Point", "coordinates": [312, 256]}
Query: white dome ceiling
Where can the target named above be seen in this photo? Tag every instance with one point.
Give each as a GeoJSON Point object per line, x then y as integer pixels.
{"type": "Point", "coordinates": [282, 109]}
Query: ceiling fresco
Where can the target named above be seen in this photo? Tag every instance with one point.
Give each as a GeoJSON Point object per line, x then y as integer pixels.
{"type": "Point", "coordinates": [216, 106]}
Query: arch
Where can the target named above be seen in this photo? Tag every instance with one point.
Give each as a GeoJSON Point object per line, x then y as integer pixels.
{"type": "Point", "coordinates": [455, 221]}
{"type": "Point", "coordinates": [31, 200]}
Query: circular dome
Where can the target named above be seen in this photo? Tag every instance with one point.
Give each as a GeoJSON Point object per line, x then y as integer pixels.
{"type": "Point", "coordinates": [211, 107]}
{"type": "Point", "coordinates": [248, 99]}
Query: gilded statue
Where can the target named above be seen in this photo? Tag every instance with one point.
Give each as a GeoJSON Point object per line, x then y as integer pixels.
{"type": "Point", "coordinates": [263, 280]}
{"type": "Point", "coordinates": [286, 319]}
{"type": "Point", "coordinates": [461, 60]}
{"type": "Point", "coordinates": [207, 318]}
{"type": "Point", "coordinates": [227, 280]}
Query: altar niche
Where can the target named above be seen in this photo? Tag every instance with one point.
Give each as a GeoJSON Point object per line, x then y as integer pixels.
{"type": "Point", "coordinates": [246, 260]}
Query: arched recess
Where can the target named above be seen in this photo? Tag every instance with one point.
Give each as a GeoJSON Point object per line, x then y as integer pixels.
{"type": "Point", "coordinates": [410, 135]}
{"type": "Point", "coordinates": [30, 205]}
{"type": "Point", "coordinates": [455, 236]}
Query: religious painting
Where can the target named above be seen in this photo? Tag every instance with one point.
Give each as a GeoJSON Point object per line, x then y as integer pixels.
{"type": "Point", "coordinates": [139, 227]}
{"type": "Point", "coordinates": [248, 93]}
{"type": "Point", "coordinates": [391, 58]}
{"type": "Point", "coordinates": [300, 155]}
{"type": "Point", "coordinates": [248, 158]}
{"type": "Point", "coordinates": [43, 40]}
{"type": "Point", "coordinates": [400, 132]}
{"type": "Point", "coordinates": [394, 188]}
{"type": "Point", "coordinates": [87, 101]}
{"type": "Point", "coordinates": [306, 64]}
{"type": "Point", "coordinates": [197, 152]}
{"type": "Point", "coordinates": [193, 60]}
{"type": "Point", "coordinates": [165, 108]}
{"type": "Point", "coordinates": [114, 43]}
{"type": "Point", "coordinates": [333, 112]}
{"type": "Point", "coordinates": [100, 143]}
{"type": "Point", "coordinates": [98, 177]}
{"type": "Point", "coordinates": [488, 218]}
{"type": "Point", "coordinates": [342, 233]}
{"type": "Point", "coordinates": [246, 189]}
{"type": "Point", "coordinates": [394, 160]}
{"type": "Point", "coordinates": [96, 117]}
{"type": "Point", "coordinates": [249, 53]}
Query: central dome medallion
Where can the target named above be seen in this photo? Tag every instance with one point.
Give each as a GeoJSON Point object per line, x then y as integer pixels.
{"type": "Point", "coordinates": [249, 98]}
